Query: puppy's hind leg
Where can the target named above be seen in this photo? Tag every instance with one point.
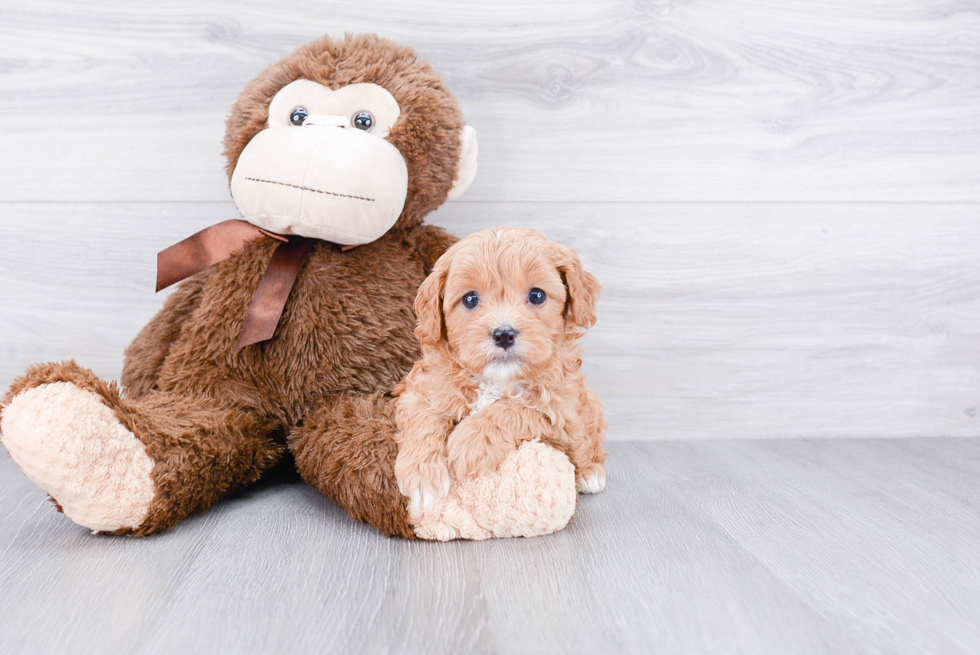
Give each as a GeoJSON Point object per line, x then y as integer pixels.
{"type": "Point", "coordinates": [588, 454]}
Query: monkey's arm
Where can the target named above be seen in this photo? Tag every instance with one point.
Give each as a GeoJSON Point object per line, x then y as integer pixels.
{"type": "Point", "coordinates": [430, 241]}
{"type": "Point", "coordinates": [146, 353]}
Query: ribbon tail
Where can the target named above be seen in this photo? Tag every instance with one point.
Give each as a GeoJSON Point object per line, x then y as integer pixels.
{"type": "Point", "coordinates": [273, 291]}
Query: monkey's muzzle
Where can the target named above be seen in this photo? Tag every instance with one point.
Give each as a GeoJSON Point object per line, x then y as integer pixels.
{"type": "Point", "coordinates": [340, 185]}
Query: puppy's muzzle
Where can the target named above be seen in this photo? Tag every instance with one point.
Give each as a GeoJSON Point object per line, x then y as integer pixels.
{"type": "Point", "coordinates": [504, 337]}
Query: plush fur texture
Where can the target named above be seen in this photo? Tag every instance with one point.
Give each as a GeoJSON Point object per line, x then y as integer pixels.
{"type": "Point", "coordinates": [350, 446]}
{"type": "Point", "coordinates": [213, 419]}
{"type": "Point", "coordinates": [52, 429]}
{"type": "Point", "coordinates": [470, 402]}
{"type": "Point", "coordinates": [210, 418]}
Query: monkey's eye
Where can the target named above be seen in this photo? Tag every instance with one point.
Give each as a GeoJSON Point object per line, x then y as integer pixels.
{"type": "Point", "coordinates": [471, 300]}
{"type": "Point", "coordinates": [298, 115]}
{"type": "Point", "coordinates": [536, 296]}
{"type": "Point", "coordinates": [362, 120]}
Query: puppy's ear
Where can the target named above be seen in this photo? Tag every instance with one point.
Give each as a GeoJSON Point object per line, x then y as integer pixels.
{"type": "Point", "coordinates": [582, 288]}
{"type": "Point", "coordinates": [428, 304]}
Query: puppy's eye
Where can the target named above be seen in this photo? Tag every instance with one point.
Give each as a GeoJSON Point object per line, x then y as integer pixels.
{"type": "Point", "coordinates": [298, 115]}
{"type": "Point", "coordinates": [362, 120]}
{"type": "Point", "coordinates": [471, 300]}
{"type": "Point", "coordinates": [536, 296]}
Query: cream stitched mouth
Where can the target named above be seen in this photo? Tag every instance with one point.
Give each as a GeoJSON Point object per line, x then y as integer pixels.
{"type": "Point", "coordinates": [306, 188]}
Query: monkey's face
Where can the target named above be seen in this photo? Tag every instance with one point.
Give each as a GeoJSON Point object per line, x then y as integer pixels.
{"type": "Point", "coordinates": [343, 158]}
{"type": "Point", "coordinates": [322, 167]}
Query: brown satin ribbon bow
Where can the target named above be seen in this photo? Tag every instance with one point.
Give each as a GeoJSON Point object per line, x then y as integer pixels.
{"type": "Point", "coordinates": [217, 243]}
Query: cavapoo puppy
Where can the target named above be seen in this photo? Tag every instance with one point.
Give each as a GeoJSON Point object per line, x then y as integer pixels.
{"type": "Point", "coordinates": [499, 322]}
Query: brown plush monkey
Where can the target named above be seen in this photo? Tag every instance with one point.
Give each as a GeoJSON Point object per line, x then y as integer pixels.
{"type": "Point", "coordinates": [350, 142]}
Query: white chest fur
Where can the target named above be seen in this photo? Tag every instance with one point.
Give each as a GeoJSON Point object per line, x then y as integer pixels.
{"type": "Point", "coordinates": [489, 392]}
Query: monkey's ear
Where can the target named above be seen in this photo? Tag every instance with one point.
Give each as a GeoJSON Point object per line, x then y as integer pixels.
{"type": "Point", "coordinates": [428, 307]}
{"type": "Point", "coordinates": [582, 287]}
{"type": "Point", "coordinates": [466, 170]}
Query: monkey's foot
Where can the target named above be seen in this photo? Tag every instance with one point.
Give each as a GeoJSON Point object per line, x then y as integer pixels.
{"type": "Point", "coordinates": [532, 493]}
{"type": "Point", "coordinates": [70, 443]}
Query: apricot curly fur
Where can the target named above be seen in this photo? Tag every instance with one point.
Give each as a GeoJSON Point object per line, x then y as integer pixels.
{"type": "Point", "coordinates": [443, 432]}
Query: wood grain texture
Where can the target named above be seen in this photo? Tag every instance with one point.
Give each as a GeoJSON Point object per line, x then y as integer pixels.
{"type": "Point", "coordinates": [716, 320]}
{"type": "Point", "coordinates": [612, 100]}
{"type": "Point", "coordinates": [801, 546]}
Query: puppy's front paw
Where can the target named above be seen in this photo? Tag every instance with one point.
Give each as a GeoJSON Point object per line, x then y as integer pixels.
{"type": "Point", "coordinates": [591, 480]}
{"type": "Point", "coordinates": [475, 449]}
{"type": "Point", "coordinates": [424, 478]}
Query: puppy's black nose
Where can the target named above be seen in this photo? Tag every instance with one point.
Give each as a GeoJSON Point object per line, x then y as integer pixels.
{"type": "Point", "coordinates": [504, 336]}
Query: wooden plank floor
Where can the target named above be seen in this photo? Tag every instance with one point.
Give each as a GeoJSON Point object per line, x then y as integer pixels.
{"type": "Point", "coordinates": [748, 546]}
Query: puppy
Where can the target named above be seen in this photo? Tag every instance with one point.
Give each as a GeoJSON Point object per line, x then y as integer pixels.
{"type": "Point", "coordinates": [499, 320]}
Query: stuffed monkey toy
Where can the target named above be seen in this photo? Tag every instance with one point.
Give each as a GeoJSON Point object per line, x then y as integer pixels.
{"type": "Point", "coordinates": [292, 327]}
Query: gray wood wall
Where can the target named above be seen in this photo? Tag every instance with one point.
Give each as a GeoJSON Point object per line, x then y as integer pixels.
{"type": "Point", "coordinates": [780, 197]}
